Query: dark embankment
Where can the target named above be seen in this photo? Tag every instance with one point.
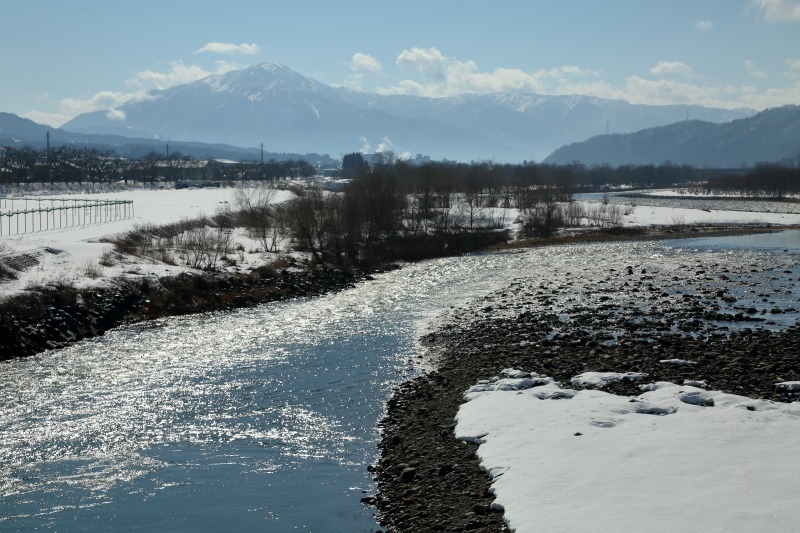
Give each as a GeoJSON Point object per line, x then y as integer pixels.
{"type": "Point", "coordinates": [52, 317]}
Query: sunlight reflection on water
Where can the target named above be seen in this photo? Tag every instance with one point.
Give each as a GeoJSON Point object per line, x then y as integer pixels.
{"type": "Point", "coordinates": [262, 418]}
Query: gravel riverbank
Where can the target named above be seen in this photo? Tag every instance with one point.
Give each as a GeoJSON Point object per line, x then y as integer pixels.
{"type": "Point", "coordinates": [53, 316]}
{"type": "Point", "coordinates": [725, 320]}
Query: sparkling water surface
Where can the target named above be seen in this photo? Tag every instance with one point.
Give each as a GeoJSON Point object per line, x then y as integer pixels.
{"type": "Point", "coordinates": [265, 418]}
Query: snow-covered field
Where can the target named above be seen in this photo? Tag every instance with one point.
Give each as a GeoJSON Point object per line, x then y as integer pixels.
{"type": "Point", "coordinates": [68, 254]}
{"type": "Point", "coordinates": [675, 458]}
{"type": "Point", "coordinates": [644, 215]}
{"type": "Point", "coordinates": [74, 255]}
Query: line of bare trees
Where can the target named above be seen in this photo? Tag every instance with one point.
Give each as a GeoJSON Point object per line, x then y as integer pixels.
{"type": "Point", "coordinates": [72, 164]}
{"type": "Point", "coordinates": [395, 210]}
{"type": "Point", "coordinates": [765, 181]}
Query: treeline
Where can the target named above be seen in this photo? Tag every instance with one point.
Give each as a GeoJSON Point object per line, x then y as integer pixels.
{"type": "Point", "coordinates": [396, 211]}
{"type": "Point", "coordinates": [68, 164]}
{"type": "Point", "coordinates": [765, 181]}
{"type": "Point", "coordinates": [377, 218]}
{"type": "Point", "coordinates": [582, 177]}
{"type": "Point", "coordinates": [499, 174]}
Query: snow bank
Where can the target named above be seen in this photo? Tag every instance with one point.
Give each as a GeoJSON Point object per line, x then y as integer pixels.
{"type": "Point", "coordinates": [674, 458]}
{"type": "Point", "coordinates": [599, 379]}
{"type": "Point", "coordinates": [81, 253]}
{"type": "Point", "coordinates": [647, 215]}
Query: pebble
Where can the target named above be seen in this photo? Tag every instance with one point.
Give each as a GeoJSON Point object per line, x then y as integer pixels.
{"type": "Point", "coordinates": [612, 331]}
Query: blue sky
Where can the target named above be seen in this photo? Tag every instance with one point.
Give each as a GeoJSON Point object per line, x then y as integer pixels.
{"type": "Point", "coordinates": [62, 58]}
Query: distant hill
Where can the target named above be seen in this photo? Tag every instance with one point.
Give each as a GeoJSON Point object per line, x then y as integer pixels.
{"type": "Point", "coordinates": [770, 136]}
{"type": "Point", "coordinates": [271, 103]}
{"type": "Point", "coordinates": [15, 130]}
{"type": "Point", "coordinates": [18, 131]}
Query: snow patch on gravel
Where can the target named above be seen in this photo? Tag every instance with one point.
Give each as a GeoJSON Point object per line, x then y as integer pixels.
{"type": "Point", "coordinates": [711, 461]}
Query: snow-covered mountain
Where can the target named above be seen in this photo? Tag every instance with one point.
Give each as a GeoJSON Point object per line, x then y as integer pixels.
{"type": "Point", "coordinates": [772, 135]}
{"type": "Point", "coordinates": [271, 104]}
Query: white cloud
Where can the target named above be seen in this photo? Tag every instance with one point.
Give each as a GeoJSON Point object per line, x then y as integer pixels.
{"type": "Point", "coordinates": [668, 82]}
{"type": "Point", "coordinates": [353, 81]}
{"type": "Point", "coordinates": [116, 114]}
{"type": "Point", "coordinates": [774, 97]}
{"type": "Point", "coordinates": [665, 91]}
{"type": "Point", "coordinates": [778, 10]}
{"type": "Point", "coordinates": [665, 68]}
{"type": "Point", "coordinates": [429, 61]}
{"type": "Point", "coordinates": [101, 100]}
{"type": "Point", "coordinates": [246, 49]}
{"type": "Point", "coordinates": [178, 73]}
{"type": "Point", "coordinates": [704, 25]}
{"type": "Point", "coordinates": [404, 87]}
{"type": "Point", "coordinates": [794, 69]}
{"type": "Point", "coordinates": [753, 70]}
{"type": "Point", "coordinates": [446, 76]}
{"type": "Point", "coordinates": [597, 89]}
{"type": "Point", "coordinates": [362, 61]}
{"type": "Point", "coordinates": [662, 91]}
{"type": "Point", "coordinates": [359, 63]}
{"type": "Point", "coordinates": [51, 119]}
{"type": "Point", "coordinates": [141, 86]}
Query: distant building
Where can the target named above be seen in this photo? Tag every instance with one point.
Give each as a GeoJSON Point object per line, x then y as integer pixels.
{"type": "Point", "coordinates": [419, 160]}
{"type": "Point", "coordinates": [336, 185]}
{"type": "Point", "coordinates": [204, 184]}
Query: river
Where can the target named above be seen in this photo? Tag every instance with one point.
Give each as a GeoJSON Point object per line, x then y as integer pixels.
{"type": "Point", "coordinates": [261, 419]}
{"type": "Point", "coordinates": [264, 418]}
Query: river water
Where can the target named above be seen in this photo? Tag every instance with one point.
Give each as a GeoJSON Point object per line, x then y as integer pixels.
{"type": "Point", "coordinates": [706, 203]}
{"type": "Point", "coordinates": [265, 418]}
{"type": "Point", "coordinates": [261, 419]}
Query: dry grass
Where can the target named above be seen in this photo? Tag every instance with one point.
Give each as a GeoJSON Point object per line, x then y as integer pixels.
{"type": "Point", "coordinates": [92, 270]}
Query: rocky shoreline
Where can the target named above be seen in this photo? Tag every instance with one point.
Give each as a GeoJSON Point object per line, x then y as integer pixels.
{"type": "Point", "coordinates": [55, 317]}
{"type": "Point", "coordinates": [670, 325]}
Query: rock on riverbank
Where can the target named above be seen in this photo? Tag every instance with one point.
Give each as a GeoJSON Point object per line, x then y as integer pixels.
{"type": "Point", "coordinates": [680, 324]}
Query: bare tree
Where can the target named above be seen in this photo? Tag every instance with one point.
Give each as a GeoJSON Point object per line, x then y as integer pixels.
{"type": "Point", "coordinates": [304, 220]}
{"type": "Point", "coordinates": [258, 214]}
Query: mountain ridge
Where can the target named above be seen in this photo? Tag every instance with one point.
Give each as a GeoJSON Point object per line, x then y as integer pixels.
{"type": "Point", "coordinates": [773, 135]}
{"type": "Point", "coordinates": [287, 111]}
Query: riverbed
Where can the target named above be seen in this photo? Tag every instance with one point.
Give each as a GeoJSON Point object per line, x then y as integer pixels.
{"type": "Point", "coordinates": [266, 418]}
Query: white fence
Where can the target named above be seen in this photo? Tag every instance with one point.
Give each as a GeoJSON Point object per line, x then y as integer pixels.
{"type": "Point", "coordinates": [31, 215]}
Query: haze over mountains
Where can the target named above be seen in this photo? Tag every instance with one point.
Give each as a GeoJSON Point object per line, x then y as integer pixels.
{"type": "Point", "coordinates": [271, 104]}
{"type": "Point", "coordinates": [770, 136]}
{"type": "Point", "coordinates": [18, 131]}
{"type": "Point", "coordinates": [229, 115]}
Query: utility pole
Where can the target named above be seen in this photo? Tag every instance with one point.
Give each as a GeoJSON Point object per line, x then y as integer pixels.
{"type": "Point", "coordinates": [263, 177]}
{"type": "Point", "coordinates": [49, 158]}
{"type": "Point", "coordinates": [606, 126]}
